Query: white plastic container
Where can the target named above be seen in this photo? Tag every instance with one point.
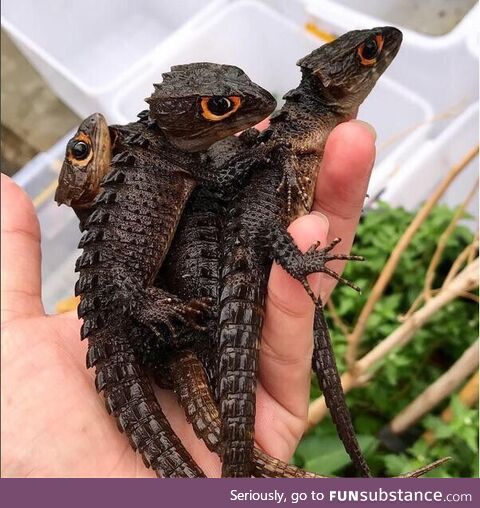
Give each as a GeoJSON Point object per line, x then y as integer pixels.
{"type": "Point", "coordinates": [87, 50]}
{"type": "Point", "coordinates": [422, 172]}
{"type": "Point", "coordinates": [268, 56]}
{"type": "Point", "coordinates": [473, 44]}
{"type": "Point", "coordinates": [58, 225]}
{"type": "Point", "coordinates": [437, 67]}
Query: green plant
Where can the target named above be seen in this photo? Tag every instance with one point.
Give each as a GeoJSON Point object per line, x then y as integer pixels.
{"type": "Point", "coordinates": [406, 372]}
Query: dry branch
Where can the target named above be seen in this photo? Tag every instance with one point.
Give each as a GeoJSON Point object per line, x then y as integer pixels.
{"type": "Point", "coordinates": [467, 255]}
{"type": "Point", "coordinates": [464, 281]}
{"type": "Point", "coordinates": [337, 320]}
{"type": "Point", "coordinates": [387, 272]}
{"type": "Point", "coordinates": [444, 237]}
{"type": "Point", "coordinates": [468, 396]}
{"type": "Point", "coordinates": [437, 391]}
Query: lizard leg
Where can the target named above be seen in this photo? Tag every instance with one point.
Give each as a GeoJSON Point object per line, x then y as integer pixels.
{"type": "Point", "coordinates": [160, 309]}
{"type": "Point", "coordinates": [153, 307]}
{"type": "Point", "coordinates": [291, 177]}
{"type": "Point", "coordinates": [325, 367]}
{"type": "Point", "coordinates": [191, 387]}
{"type": "Point", "coordinates": [315, 260]}
{"type": "Point", "coordinates": [130, 398]}
{"type": "Point", "coordinates": [323, 361]}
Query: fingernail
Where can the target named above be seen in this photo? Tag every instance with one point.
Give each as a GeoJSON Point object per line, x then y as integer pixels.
{"type": "Point", "coordinates": [368, 126]}
{"type": "Point", "coordinates": [322, 217]}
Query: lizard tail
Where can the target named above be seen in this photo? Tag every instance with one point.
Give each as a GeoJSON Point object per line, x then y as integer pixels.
{"type": "Point", "coordinates": [193, 393]}
{"type": "Point", "coordinates": [129, 397]}
{"type": "Point", "coordinates": [325, 368]}
{"type": "Point", "coordinates": [240, 323]}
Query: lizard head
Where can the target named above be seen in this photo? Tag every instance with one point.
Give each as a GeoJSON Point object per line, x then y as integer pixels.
{"type": "Point", "coordinates": [87, 159]}
{"type": "Point", "coordinates": [200, 103]}
{"type": "Point", "coordinates": [346, 69]}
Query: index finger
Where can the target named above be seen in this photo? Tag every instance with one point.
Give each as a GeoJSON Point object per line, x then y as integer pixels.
{"type": "Point", "coordinates": [342, 186]}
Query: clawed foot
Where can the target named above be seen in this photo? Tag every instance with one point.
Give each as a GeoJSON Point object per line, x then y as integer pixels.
{"type": "Point", "coordinates": [172, 312]}
{"type": "Point", "coordinates": [314, 261]}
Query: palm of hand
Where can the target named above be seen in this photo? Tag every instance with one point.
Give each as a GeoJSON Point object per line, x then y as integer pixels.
{"type": "Point", "coordinates": [71, 431]}
{"type": "Point", "coordinates": [64, 424]}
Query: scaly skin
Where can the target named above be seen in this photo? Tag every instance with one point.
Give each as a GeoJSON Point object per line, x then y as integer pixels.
{"type": "Point", "coordinates": [114, 274]}
{"type": "Point", "coordinates": [191, 386]}
{"type": "Point", "coordinates": [336, 78]}
{"type": "Point", "coordinates": [193, 393]}
{"type": "Point", "coordinates": [130, 230]}
{"type": "Point", "coordinates": [192, 267]}
{"type": "Point", "coordinates": [205, 236]}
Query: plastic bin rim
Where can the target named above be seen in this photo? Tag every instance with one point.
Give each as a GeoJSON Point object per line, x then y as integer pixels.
{"type": "Point", "coordinates": [432, 42]}
{"type": "Point", "coordinates": [125, 76]}
{"type": "Point", "coordinates": [90, 90]}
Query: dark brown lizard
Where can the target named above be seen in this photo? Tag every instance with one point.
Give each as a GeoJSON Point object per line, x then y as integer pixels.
{"type": "Point", "coordinates": [192, 267]}
{"type": "Point", "coordinates": [129, 232]}
{"type": "Point", "coordinates": [336, 78]}
{"type": "Point", "coordinates": [88, 158]}
{"type": "Point", "coordinates": [197, 234]}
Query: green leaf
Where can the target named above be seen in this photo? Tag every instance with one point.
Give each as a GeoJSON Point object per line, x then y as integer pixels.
{"type": "Point", "coordinates": [333, 456]}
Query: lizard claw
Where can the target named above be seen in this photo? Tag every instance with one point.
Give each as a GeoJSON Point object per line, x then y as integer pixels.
{"type": "Point", "coordinates": [191, 313]}
{"type": "Point", "coordinates": [313, 247]}
{"type": "Point", "coordinates": [309, 291]}
{"type": "Point", "coordinates": [315, 261]}
{"type": "Point", "coordinates": [170, 312]}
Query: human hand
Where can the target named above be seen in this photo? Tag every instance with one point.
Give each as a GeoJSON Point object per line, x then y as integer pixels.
{"type": "Point", "coordinates": [54, 424]}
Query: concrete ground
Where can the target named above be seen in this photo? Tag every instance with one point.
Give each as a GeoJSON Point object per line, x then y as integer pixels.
{"type": "Point", "coordinates": [33, 118]}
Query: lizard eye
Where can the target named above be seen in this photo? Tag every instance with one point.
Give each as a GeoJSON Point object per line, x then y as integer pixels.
{"type": "Point", "coordinates": [217, 107]}
{"type": "Point", "coordinates": [370, 49]}
{"type": "Point", "coordinates": [80, 150]}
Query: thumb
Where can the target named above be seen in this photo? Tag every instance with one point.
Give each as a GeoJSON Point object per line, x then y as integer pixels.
{"type": "Point", "coordinates": [20, 256]}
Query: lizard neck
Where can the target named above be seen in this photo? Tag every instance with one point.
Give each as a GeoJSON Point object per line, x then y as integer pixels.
{"type": "Point", "coordinates": [329, 103]}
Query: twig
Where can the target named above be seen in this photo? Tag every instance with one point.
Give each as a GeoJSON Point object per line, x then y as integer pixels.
{"type": "Point", "coordinates": [468, 396]}
{"type": "Point", "coordinates": [464, 281]}
{"type": "Point", "coordinates": [415, 305]}
{"type": "Point", "coordinates": [444, 237]}
{"type": "Point", "coordinates": [392, 262]}
{"type": "Point", "coordinates": [465, 255]}
{"type": "Point", "coordinates": [473, 250]}
{"type": "Point", "coordinates": [437, 391]}
{"type": "Point", "coordinates": [470, 296]}
{"type": "Point", "coordinates": [427, 291]}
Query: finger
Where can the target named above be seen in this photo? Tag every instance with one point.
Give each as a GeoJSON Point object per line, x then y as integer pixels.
{"type": "Point", "coordinates": [20, 261]}
{"type": "Point", "coordinates": [342, 185]}
{"type": "Point", "coordinates": [286, 348]}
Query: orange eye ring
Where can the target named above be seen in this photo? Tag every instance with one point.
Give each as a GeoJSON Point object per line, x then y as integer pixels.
{"type": "Point", "coordinates": [77, 159]}
{"type": "Point", "coordinates": [230, 104]}
{"type": "Point", "coordinates": [361, 49]}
